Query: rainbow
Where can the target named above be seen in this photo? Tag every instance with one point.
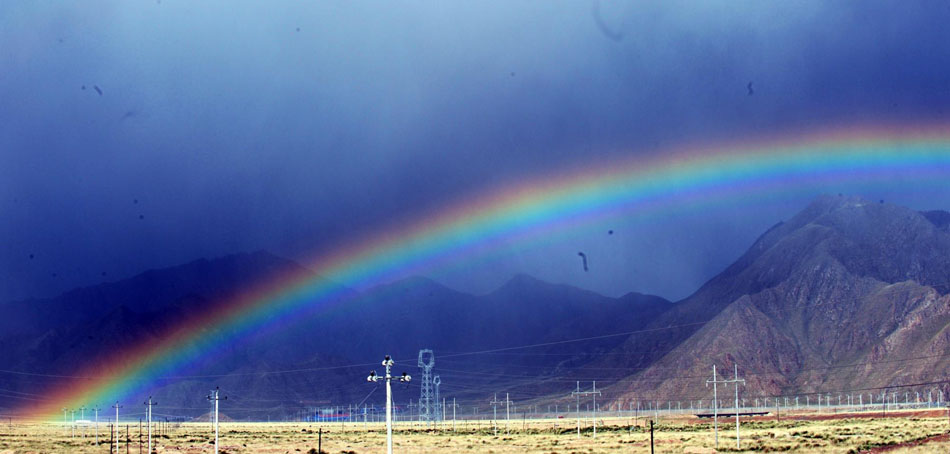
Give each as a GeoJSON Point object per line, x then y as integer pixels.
{"type": "Point", "coordinates": [691, 175]}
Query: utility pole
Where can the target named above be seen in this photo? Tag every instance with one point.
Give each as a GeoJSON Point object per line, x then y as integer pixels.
{"type": "Point", "coordinates": [715, 382]}
{"type": "Point", "coordinates": [577, 398]}
{"type": "Point", "coordinates": [65, 421]}
{"type": "Point", "coordinates": [507, 415]}
{"type": "Point", "coordinates": [148, 420]}
{"type": "Point", "coordinates": [454, 407]}
{"type": "Point", "coordinates": [651, 436]}
{"type": "Point", "coordinates": [435, 411]}
{"type": "Point", "coordinates": [884, 401]}
{"type": "Point", "coordinates": [636, 416]}
{"type": "Point", "coordinates": [211, 413]}
{"type": "Point", "coordinates": [82, 418]}
{"type": "Point", "coordinates": [736, 381]}
{"type": "Point", "coordinates": [594, 392]}
{"type": "Point", "coordinates": [494, 406]}
{"type": "Point", "coordinates": [388, 364]}
{"type": "Point", "coordinates": [214, 397]}
{"type": "Point", "coordinates": [97, 409]}
{"type": "Point", "coordinates": [116, 425]}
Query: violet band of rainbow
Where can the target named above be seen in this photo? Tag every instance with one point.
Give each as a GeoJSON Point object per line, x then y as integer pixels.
{"type": "Point", "coordinates": [636, 186]}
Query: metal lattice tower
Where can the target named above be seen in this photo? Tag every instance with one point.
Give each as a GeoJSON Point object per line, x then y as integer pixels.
{"type": "Point", "coordinates": [437, 403]}
{"type": "Point", "coordinates": [427, 403]}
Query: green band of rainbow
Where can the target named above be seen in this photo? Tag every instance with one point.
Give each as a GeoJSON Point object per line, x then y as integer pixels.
{"type": "Point", "coordinates": [635, 187]}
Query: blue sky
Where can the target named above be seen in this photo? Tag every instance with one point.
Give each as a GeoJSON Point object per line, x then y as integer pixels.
{"type": "Point", "coordinates": [227, 126]}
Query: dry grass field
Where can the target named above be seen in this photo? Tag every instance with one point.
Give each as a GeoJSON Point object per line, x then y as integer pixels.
{"type": "Point", "coordinates": [906, 433]}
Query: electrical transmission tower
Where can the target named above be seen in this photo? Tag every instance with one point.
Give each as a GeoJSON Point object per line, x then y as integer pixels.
{"type": "Point", "coordinates": [427, 401]}
{"type": "Point", "coordinates": [436, 381]}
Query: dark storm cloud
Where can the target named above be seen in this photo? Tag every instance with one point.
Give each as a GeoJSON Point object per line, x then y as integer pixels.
{"type": "Point", "coordinates": [293, 126]}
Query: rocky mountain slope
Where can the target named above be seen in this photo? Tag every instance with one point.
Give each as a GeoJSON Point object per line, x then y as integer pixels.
{"type": "Point", "coordinates": [848, 294]}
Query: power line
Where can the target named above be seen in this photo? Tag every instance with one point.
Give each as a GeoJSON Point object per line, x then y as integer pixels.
{"type": "Point", "coordinates": [478, 352]}
{"type": "Point", "coordinates": [508, 350]}
{"type": "Point", "coordinates": [579, 339]}
{"type": "Point", "coordinates": [809, 369]}
{"type": "Point", "coordinates": [178, 377]}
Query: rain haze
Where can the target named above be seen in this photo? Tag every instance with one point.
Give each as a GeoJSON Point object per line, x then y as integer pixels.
{"type": "Point", "coordinates": [144, 134]}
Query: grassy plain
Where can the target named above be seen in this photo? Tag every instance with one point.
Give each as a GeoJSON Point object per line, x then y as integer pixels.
{"type": "Point", "coordinates": [919, 433]}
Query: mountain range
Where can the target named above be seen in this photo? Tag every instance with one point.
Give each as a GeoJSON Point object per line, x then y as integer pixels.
{"type": "Point", "coordinates": [848, 294]}
{"type": "Point", "coordinates": [323, 356]}
{"type": "Point", "coordinates": [845, 296]}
